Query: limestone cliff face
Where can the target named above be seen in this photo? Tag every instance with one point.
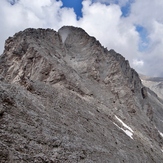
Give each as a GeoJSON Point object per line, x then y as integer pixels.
{"type": "Point", "coordinates": [65, 98]}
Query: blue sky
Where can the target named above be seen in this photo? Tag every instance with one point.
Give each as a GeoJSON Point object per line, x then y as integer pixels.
{"type": "Point", "coordinates": [144, 40]}
{"type": "Point", "coordinates": [126, 9]}
{"type": "Point", "coordinates": [75, 4]}
{"type": "Point", "coordinates": [127, 26]}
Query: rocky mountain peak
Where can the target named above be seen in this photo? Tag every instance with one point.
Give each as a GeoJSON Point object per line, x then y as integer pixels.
{"type": "Point", "coordinates": [69, 99]}
{"type": "Point", "coordinates": [70, 46]}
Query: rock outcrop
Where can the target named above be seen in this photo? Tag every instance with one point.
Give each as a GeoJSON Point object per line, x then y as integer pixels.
{"type": "Point", "coordinates": [66, 98]}
{"type": "Point", "coordinates": [154, 83]}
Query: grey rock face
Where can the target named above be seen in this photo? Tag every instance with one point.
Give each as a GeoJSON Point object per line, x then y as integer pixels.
{"type": "Point", "coordinates": [65, 98]}
{"type": "Point", "coordinates": [155, 84]}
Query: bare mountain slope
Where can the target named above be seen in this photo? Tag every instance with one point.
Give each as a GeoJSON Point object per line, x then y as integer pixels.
{"type": "Point", "coordinates": [65, 98]}
{"type": "Point", "coordinates": [154, 83]}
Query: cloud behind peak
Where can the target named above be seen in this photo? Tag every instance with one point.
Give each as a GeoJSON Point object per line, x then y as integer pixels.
{"type": "Point", "coordinates": [132, 28]}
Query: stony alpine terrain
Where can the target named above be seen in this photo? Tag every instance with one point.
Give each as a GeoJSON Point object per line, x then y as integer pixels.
{"type": "Point", "coordinates": [64, 98]}
{"type": "Point", "coordinates": [154, 83]}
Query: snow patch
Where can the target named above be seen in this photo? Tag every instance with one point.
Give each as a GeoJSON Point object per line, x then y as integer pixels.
{"type": "Point", "coordinates": [160, 133]}
{"type": "Point", "coordinates": [64, 34]}
{"type": "Point", "coordinates": [91, 113]}
{"type": "Point", "coordinates": [129, 128]}
{"type": "Point", "coordinates": [128, 131]}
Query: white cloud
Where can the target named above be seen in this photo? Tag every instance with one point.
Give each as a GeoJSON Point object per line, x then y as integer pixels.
{"type": "Point", "coordinates": [36, 14]}
{"type": "Point", "coordinates": [113, 31]}
{"type": "Point", "coordinates": [137, 62]}
{"type": "Point", "coordinates": [120, 2]}
{"type": "Point", "coordinates": [149, 15]}
{"type": "Point", "coordinates": [105, 22]}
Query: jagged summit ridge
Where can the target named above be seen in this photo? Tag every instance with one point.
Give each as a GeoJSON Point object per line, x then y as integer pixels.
{"type": "Point", "coordinates": [80, 59]}
{"type": "Point", "coordinates": [69, 99]}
